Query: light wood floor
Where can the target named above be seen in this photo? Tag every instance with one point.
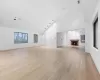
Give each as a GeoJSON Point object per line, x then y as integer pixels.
{"type": "Point", "coordinates": [39, 63]}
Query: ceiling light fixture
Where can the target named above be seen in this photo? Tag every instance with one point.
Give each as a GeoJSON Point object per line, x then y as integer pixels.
{"type": "Point", "coordinates": [78, 1]}
{"type": "Point", "coordinates": [49, 25]}
{"type": "Point", "coordinates": [16, 18]}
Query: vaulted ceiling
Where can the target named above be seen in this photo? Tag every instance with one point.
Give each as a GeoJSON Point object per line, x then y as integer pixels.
{"type": "Point", "coordinates": [35, 15]}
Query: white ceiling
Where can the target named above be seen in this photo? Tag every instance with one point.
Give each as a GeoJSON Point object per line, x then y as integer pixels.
{"type": "Point", "coordinates": [35, 15]}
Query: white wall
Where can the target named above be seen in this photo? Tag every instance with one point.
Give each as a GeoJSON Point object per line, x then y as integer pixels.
{"type": "Point", "coordinates": [7, 38]}
{"type": "Point", "coordinates": [41, 40]}
{"type": "Point", "coordinates": [70, 21]}
{"type": "Point", "coordinates": [89, 39]}
{"type": "Point", "coordinates": [49, 36]}
{"type": "Point", "coordinates": [61, 39]}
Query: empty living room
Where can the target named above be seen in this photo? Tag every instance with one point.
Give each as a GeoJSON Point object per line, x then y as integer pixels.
{"type": "Point", "coordinates": [49, 40]}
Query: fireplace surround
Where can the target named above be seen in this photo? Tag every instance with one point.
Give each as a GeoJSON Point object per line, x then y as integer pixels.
{"type": "Point", "coordinates": [74, 42]}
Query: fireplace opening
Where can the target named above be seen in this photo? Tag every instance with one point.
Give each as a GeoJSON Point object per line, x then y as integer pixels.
{"type": "Point", "coordinates": [74, 42]}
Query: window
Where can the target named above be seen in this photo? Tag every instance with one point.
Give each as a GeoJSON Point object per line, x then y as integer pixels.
{"type": "Point", "coordinates": [95, 32]}
{"type": "Point", "coordinates": [20, 37]}
{"type": "Point", "coordinates": [35, 38]}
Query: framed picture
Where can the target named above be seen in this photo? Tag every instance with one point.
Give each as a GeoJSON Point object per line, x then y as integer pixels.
{"type": "Point", "coordinates": [20, 37]}
{"type": "Point", "coordinates": [82, 38]}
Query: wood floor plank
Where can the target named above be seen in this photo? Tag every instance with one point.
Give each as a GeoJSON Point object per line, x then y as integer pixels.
{"type": "Point", "coordinates": [40, 63]}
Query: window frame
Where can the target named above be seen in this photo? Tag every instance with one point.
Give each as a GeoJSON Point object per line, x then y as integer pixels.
{"type": "Point", "coordinates": [95, 22]}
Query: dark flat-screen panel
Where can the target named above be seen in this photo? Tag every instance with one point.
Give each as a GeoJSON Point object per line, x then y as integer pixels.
{"type": "Point", "coordinates": [20, 37]}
